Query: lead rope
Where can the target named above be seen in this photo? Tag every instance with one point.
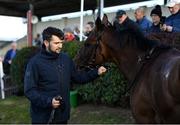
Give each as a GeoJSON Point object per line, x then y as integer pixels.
{"type": "Point", "coordinates": [51, 116]}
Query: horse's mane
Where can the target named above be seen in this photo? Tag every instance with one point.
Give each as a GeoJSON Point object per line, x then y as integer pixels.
{"type": "Point", "coordinates": [172, 39]}
{"type": "Point", "coordinates": [127, 37]}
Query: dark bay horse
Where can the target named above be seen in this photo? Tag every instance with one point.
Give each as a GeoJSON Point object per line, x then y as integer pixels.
{"type": "Point", "coordinates": [154, 71]}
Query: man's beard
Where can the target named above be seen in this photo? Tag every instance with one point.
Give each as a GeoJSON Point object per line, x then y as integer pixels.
{"type": "Point", "coordinates": [53, 52]}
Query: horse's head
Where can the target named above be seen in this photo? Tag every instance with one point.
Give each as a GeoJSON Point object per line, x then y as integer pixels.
{"type": "Point", "coordinates": [95, 50]}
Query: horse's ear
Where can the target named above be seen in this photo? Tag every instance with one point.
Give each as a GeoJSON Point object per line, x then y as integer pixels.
{"type": "Point", "coordinates": [98, 24]}
{"type": "Point", "coordinates": [105, 20]}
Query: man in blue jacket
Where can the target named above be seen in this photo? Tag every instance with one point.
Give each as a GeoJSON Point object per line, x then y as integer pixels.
{"type": "Point", "coordinates": [142, 20]}
{"type": "Point", "coordinates": [9, 57]}
{"type": "Point", "coordinates": [48, 75]}
{"type": "Point", "coordinates": [157, 19]}
{"type": "Point", "coordinates": [172, 23]}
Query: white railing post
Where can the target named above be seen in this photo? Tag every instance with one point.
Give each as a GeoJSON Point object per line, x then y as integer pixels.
{"type": "Point", "coordinates": [1, 80]}
{"type": "Point", "coordinates": [101, 8]}
{"type": "Point", "coordinates": [81, 20]}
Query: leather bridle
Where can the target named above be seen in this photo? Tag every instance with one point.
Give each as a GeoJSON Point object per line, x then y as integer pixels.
{"type": "Point", "coordinates": [92, 59]}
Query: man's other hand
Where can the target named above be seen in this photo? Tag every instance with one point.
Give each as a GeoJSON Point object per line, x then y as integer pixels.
{"type": "Point", "coordinates": [101, 70]}
{"type": "Point", "coordinates": [55, 103]}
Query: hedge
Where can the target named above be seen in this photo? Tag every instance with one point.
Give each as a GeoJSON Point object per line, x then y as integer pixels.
{"type": "Point", "coordinates": [18, 66]}
{"type": "Point", "coordinates": [108, 89]}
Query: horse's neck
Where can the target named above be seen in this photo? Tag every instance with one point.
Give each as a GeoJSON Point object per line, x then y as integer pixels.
{"type": "Point", "coordinates": [127, 62]}
{"type": "Point", "coordinates": [125, 52]}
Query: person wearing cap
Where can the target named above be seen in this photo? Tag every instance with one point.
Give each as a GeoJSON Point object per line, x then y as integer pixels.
{"type": "Point", "coordinates": [172, 23]}
{"type": "Point", "coordinates": [157, 19]}
{"type": "Point", "coordinates": [47, 80]}
{"type": "Point", "coordinates": [126, 24]}
{"type": "Point", "coordinates": [141, 19]}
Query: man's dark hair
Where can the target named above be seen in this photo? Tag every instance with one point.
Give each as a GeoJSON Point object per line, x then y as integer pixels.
{"type": "Point", "coordinates": [91, 24]}
{"type": "Point", "coordinates": [49, 31]}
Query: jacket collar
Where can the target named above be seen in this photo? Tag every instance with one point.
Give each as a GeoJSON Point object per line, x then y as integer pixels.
{"type": "Point", "coordinates": [141, 20]}
{"type": "Point", "coordinates": [48, 55]}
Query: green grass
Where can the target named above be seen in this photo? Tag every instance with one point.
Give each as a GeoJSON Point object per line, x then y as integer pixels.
{"type": "Point", "coordinates": [96, 117]}
{"type": "Point", "coordinates": [99, 114]}
{"type": "Point", "coordinates": [16, 110]}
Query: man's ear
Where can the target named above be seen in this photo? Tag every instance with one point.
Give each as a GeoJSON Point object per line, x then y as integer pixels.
{"type": "Point", "coordinates": [46, 43]}
{"type": "Point", "coordinates": [98, 24]}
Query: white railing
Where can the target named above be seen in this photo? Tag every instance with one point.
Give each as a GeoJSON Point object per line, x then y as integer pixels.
{"type": "Point", "coordinates": [1, 81]}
